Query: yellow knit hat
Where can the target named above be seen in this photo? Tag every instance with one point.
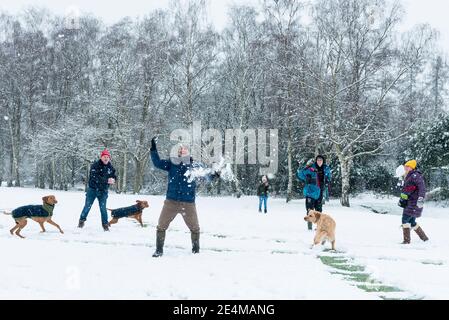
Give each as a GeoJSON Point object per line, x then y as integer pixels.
{"type": "Point", "coordinates": [411, 164]}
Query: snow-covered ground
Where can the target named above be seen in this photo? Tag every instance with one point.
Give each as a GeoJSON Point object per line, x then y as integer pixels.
{"type": "Point", "coordinates": [244, 254]}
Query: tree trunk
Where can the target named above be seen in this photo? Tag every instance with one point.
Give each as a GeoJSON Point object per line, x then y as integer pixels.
{"type": "Point", "coordinates": [86, 180]}
{"type": "Point", "coordinates": [123, 177]}
{"type": "Point", "coordinates": [138, 178]}
{"type": "Point", "coordinates": [290, 171]}
{"type": "Point", "coordinates": [52, 178]}
{"type": "Point", "coordinates": [14, 178]}
{"type": "Point", "coordinates": [41, 176]}
{"type": "Point", "coordinates": [237, 187]}
{"type": "Point", "coordinates": [345, 165]}
{"type": "Point", "coordinates": [73, 177]}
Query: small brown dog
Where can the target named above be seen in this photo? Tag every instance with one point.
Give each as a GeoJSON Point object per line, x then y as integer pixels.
{"type": "Point", "coordinates": [40, 214]}
{"type": "Point", "coordinates": [325, 227]}
{"type": "Point", "coordinates": [134, 212]}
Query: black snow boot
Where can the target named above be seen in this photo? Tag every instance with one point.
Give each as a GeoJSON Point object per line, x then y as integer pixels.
{"type": "Point", "coordinates": [160, 239]}
{"type": "Point", "coordinates": [195, 242]}
{"type": "Point", "coordinates": [106, 227]}
{"type": "Point", "coordinates": [81, 224]}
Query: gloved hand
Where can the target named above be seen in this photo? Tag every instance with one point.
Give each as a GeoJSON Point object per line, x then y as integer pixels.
{"type": "Point", "coordinates": [420, 203]}
{"type": "Point", "coordinates": [402, 203]}
{"type": "Point", "coordinates": [403, 200]}
{"type": "Point", "coordinates": [153, 143]}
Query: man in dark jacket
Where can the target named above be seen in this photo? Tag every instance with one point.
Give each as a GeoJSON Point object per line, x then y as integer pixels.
{"type": "Point", "coordinates": [102, 174]}
{"type": "Point", "coordinates": [412, 200]}
{"type": "Point", "coordinates": [317, 177]}
{"type": "Point", "coordinates": [180, 197]}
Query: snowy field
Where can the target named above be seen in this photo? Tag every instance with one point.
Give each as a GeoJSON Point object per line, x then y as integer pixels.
{"type": "Point", "coordinates": [244, 254]}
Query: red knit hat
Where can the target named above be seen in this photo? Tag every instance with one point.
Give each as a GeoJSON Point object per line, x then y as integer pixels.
{"type": "Point", "coordinates": [105, 153]}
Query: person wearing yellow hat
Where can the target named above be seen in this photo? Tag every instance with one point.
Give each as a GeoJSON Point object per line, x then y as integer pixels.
{"type": "Point", "coordinates": [411, 164]}
{"type": "Point", "coordinates": [412, 200]}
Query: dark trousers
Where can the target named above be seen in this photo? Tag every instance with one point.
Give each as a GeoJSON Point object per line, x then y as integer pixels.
{"type": "Point", "coordinates": [409, 219]}
{"type": "Point", "coordinates": [314, 204]}
{"type": "Point", "coordinates": [91, 195]}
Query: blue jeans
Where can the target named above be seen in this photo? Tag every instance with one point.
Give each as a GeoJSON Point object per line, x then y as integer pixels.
{"type": "Point", "coordinates": [409, 219]}
{"type": "Point", "coordinates": [264, 200]}
{"type": "Point", "coordinates": [91, 195]}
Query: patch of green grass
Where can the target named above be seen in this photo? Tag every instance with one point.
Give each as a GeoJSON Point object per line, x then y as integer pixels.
{"type": "Point", "coordinates": [378, 288]}
{"type": "Point", "coordinates": [359, 277]}
{"type": "Point", "coordinates": [354, 273]}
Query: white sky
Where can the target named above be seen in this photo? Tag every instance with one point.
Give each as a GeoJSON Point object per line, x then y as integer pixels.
{"type": "Point", "coordinates": [434, 12]}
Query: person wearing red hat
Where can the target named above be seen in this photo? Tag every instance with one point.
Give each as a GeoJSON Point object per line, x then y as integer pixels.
{"type": "Point", "coordinates": [101, 176]}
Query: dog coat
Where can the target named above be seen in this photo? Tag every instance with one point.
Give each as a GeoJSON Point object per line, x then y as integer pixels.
{"type": "Point", "coordinates": [124, 212]}
{"type": "Point", "coordinates": [42, 211]}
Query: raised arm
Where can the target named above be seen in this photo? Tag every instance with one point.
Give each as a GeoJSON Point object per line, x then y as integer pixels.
{"type": "Point", "coordinates": [301, 174]}
{"type": "Point", "coordinates": [158, 163]}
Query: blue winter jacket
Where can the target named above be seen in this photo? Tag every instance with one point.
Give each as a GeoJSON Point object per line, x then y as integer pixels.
{"type": "Point", "coordinates": [313, 189]}
{"type": "Point", "coordinates": [179, 188]}
{"type": "Point", "coordinates": [99, 175]}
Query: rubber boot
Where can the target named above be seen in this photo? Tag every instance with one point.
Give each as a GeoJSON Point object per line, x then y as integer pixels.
{"type": "Point", "coordinates": [160, 238]}
{"type": "Point", "coordinates": [195, 242]}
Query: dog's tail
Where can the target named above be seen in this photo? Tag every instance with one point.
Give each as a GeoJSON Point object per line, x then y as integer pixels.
{"type": "Point", "coordinates": [7, 212]}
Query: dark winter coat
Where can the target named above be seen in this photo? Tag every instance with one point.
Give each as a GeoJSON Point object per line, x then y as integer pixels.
{"type": "Point", "coordinates": [414, 188]}
{"type": "Point", "coordinates": [262, 189]}
{"type": "Point", "coordinates": [99, 175]}
{"type": "Point", "coordinates": [179, 188]}
{"type": "Point", "coordinates": [125, 212]}
{"type": "Point", "coordinates": [37, 211]}
{"type": "Point", "coordinates": [314, 187]}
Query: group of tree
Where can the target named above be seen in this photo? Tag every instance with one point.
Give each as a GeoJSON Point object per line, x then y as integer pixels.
{"type": "Point", "coordinates": [335, 77]}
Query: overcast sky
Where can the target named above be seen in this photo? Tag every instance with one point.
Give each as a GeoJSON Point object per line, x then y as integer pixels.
{"type": "Point", "coordinates": [434, 12]}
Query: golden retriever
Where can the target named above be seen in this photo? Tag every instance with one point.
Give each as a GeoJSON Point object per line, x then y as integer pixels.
{"type": "Point", "coordinates": [325, 227]}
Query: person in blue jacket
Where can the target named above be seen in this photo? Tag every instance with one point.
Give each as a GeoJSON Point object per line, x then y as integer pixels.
{"type": "Point", "coordinates": [317, 177]}
{"type": "Point", "coordinates": [180, 197]}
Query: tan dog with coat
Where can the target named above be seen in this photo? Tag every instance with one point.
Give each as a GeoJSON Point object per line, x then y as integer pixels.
{"type": "Point", "coordinates": [325, 229]}
{"type": "Point", "coordinates": [39, 213]}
